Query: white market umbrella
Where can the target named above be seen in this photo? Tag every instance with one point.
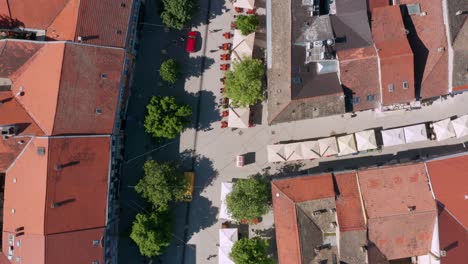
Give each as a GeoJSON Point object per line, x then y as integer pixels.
{"type": "Point", "coordinates": [443, 129]}
{"type": "Point", "coordinates": [248, 4]}
{"type": "Point", "coordinates": [276, 153]}
{"type": "Point", "coordinates": [227, 238]}
{"type": "Point", "coordinates": [328, 146]}
{"type": "Point", "coordinates": [239, 117]}
{"type": "Point", "coordinates": [310, 149]}
{"type": "Point", "coordinates": [346, 145]}
{"type": "Point", "coordinates": [242, 46]}
{"type": "Point", "coordinates": [460, 126]}
{"type": "Point", "coordinates": [365, 140]}
{"type": "Point", "coordinates": [393, 137]}
{"type": "Point", "coordinates": [415, 133]}
{"type": "Point", "coordinates": [226, 188]}
{"type": "Point", "coordinates": [293, 151]}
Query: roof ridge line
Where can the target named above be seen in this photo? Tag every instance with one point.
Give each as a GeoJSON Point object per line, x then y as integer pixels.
{"type": "Point", "coordinates": [419, 213]}
{"type": "Point", "coordinates": [454, 217]}
{"type": "Point", "coordinates": [22, 69]}
{"type": "Point", "coordinates": [59, 84]}
{"type": "Point", "coordinates": [59, 12]}
{"type": "Point", "coordinates": [19, 155]}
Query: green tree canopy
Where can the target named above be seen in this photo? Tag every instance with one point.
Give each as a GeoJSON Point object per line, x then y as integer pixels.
{"type": "Point", "coordinates": [165, 118]}
{"type": "Point", "coordinates": [244, 82]}
{"type": "Point", "coordinates": [152, 232]}
{"type": "Point", "coordinates": [177, 13]}
{"type": "Point", "coordinates": [251, 251]}
{"type": "Point", "coordinates": [249, 199]}
{"type": "Point", "coordinates": [163, 182]}
{"type": "Point", "coordinates": [169, 71]}
{"type": "Point", "coordinates": [247, 24]}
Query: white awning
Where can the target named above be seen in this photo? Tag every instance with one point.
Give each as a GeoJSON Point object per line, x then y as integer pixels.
{"type": "Point", "coordinates": [460, 126]}
{"type": "Point", "coordinates": [239, 117]}
{"type": "Point", "coordinates": [365, 140]}
{"type": "Point", "coordinates": [310, 149]}
{"type": "Point", "coordinates": [328, 146]}
{"type": "Point", "coordinates": [242, 46]}
{"type": "Point", "coordinates": [393, 137]}
{"type": "Point", "coordinates": [226, 188]}
{"type": "Point", "coordinates": [249, 4]}
{"type": "Point", "coordinates": [346, 145]}
{"type": "Point", "coordinates": [276, 153]}
{"type": "Point", "coordinates": [227, 238]}
{"type": "Point", "coordinates": [415, 133]}
{"type": "Point", "coordinates": [443, 129]}
{"type": "Point", "coordinates": [293, 151]}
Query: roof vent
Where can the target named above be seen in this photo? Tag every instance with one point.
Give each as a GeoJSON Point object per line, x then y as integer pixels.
{"type": "Point", "coordinates": [441, 49]}
{"type": "Point", "coordinates": [13, 211]}
{"type": "Point", "coordinates": [461, 12]}
{"type": "Point", "coordinates": [103, 76]}
{"type": "Point", "coordinates": [40, 151]}
{"type": "Point", "coordinates": [14, 180]}
{"type": "Point", "coordinates": [21, 142]}
{"type": "Point", "coordinates": [98, 111]}
{"type": "Point", "coordinates": [278, 195]}
{"type": "Point", "coordinates": [58, 167]}
{"type": "Point", "coordinates": [8, 131]}
{"type": "Point", "coordinates": [119, 32]}
{"type": "Point", "coordinates": [123, 5]}
{"type": "Point", "coordinates": [80, 38]}
{"type": "Point", "coordinates": [333, 225]}
{"type": "Point", "coordinates": [363, 249]}
{"type": "Point", "coordinates": [96, 242]}
{"type": "Point", "coordinates": [466, 196]}
{"type": "Point", "coordinates": [319, 212]}
{"type": "Point", "coordinates": [411, 208]}
{"type": "Point", "coordinates": [443, 253]}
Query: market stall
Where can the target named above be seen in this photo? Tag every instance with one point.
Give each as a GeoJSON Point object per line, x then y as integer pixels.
{"type": "Point", "coordinates": [365, 140]}
{"type": "Point", "coordinates": [346, 145]}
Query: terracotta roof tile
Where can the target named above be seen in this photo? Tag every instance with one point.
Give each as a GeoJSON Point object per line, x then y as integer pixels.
{"type": "Point", "coordinates": [348, 206]}
{"type": "Point", "coordinates": [69, 247]}
{"type": "Point", "coordinates": [359, 73]}
{"type": "Point", "coordinates": [286, 228]}
{"type": "Point", "coordinates": [400, 208]}
{"type": "Point", "coordinates": [403, 236]}
{"type": "Point", "coordinates": [389, 191]}
{"type": "Point", "coordinates": [37, 14]}
{"type": "Point", "coordinates": [290, 192]}
{"type": "Point", "coordinates": [57, 248]}
{"type": "Point", "coordinates": [105, 22]}
{"type": "Point", "coordinates": [396, 57]}
{"type": "Point", "coordinates": [306, 188]}
{"type": "Point", "coordinates": [426, 38]}
{"type": "Point", "coordinates": [450, 184]}
{"type": "Point", "coordinates": [41, 86]}
{"type": "Point", "coordinates": [83, 91]}
{"type": "Point", "coordinates": [63, 27]}
{"type": "Point", "coordinates": [453, 238]}
{"type": "Point", "coordinates": [63, 190]}
{"type": "Point", "coordinates": [14, 54]}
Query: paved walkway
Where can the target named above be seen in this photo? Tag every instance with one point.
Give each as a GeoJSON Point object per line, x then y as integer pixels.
{"type": "Point", "coordinates": [214, 149]}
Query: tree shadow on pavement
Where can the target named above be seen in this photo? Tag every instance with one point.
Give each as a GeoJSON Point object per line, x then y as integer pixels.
{"type": "Point", "coordinates": [205, 173]}
{"type": "Point", "coordinates": [209, 113]}
{"type": "Point", "coordinates": [198, 65]}
{"type": "Point", "coordinates": [199, 16]}
{"type": "Point", "coordinates": [203, 214]}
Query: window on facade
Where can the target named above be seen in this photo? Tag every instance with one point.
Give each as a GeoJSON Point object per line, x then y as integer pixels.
{"type": "Point", "coordinates": [356, 100]}
{"type": "Point", "coordinates": [390, 88]}
{"type": "Point", "coordinates": [405, 85]}
{"type": "Point", "coordinates": [370, 97]}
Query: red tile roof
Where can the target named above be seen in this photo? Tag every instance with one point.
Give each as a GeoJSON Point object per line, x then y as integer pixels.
{"type": "Point", "coordinates": [290, 192]}
{"type": "Point", "coordinates": [431, 64]}
{"type": "Point", "coordinates": [64, 96]}
{"type": "Point", "coordinates": [388, 193]}
{"type": "Point", "coordinates": [57, 248]}
{"type": "Point", "coordinates": [114, 14]}
{"type": "Point", "coordinates": [97, 22]}
{"type": "Point", "coordinates": [359, 73]}
{"type": "Point", "coordinates": [348, 206]}
{"type": "Point", "coordinates": [450, 185]}
{"type": "Point", "coordinates": [403, 236]}
{"type": "Point", "coordinates": [377, 3]}
{"type": "Point", "coordinates": [453, 238]}
{"type": "Point", "coordinates": [396, 57]}
{"type": "Point", "coordinates": [34, 185]}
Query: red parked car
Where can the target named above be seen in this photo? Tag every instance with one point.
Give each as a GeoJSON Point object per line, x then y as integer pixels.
{"type": "Point", "coordinates": [191, 41]}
